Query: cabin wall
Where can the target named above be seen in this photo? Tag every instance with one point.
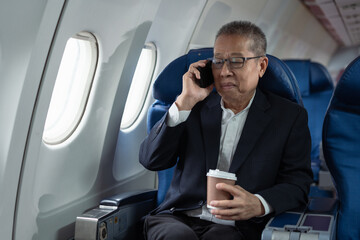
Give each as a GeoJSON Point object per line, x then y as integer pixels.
{"type": "Point", "coordinates": [20, 23]}
{"type": "Point", "coordinates": [61, 181]}
{"type": "Point", "coordinates": [58, 182]}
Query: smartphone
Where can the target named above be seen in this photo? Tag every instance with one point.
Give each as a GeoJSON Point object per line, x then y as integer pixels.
{"type": "Point", "coordinates": [206, 76]}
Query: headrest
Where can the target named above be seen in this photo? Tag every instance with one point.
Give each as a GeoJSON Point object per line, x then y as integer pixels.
{"type": "Point", "coordinates": [311, 76]}
{"type": "Point", "coordinates": [346, 96]}
{"type": "Point", "coordinates": [301, 70]}
{"type": "Point", "coordinates": [320, 78]}
{"type": "Point", "coordinates": [168, 84]}
{"type": "Point", "coordinates": [278, 78]}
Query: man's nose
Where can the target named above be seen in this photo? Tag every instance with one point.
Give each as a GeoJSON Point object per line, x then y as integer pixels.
{"type": "Point", "coordinates": [225, 69]}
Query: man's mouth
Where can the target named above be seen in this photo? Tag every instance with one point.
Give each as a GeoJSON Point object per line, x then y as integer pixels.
{"type": "Point", "coordinates": [227, 85]}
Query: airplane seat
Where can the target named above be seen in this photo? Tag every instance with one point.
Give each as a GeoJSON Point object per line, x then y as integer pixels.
{"type": "Point", "coordinates": [316, 88]}
{"type": "Point", "coordinates": [341, 141]}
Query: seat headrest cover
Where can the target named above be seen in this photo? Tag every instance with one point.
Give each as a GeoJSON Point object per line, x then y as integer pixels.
{"type": "Point", "coordinates": [347, 92]}
{"type": "Point", "coordinates": [320, 79]}
{"type": "Point", "coordinates": [168, 84]}
{"type": "Point", "coordinates": [301, 70]}
{"type": "Point", "coordinates": [279, 79]}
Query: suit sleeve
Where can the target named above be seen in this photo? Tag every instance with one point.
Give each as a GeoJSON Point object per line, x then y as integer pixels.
{"type": "Point", "coordinates": [160, 149]}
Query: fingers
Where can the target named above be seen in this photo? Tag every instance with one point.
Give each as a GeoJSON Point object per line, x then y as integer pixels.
{"type": "Point", "coordinates": [234, 190]}
{"type": "Point", "coordinates": [229, 210]}
{"type": "Point", "coordinates": [227, 214]}
{"type": "Point", "coordinates": [244, 205]}
{"type": "Point", "coordinates": [193, 68]}
{"type": "Point", "coordinates": [191, 92]}
{"type": "Point", "coordinates": [232, 210]}
{"type": "Point", "coordinates": [223, 204]}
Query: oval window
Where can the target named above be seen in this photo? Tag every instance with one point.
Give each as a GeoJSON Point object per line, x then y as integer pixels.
{"type": "Point", "coordinates": [72, 87]}
{"type": "Point", "coordinates": [139, 85]}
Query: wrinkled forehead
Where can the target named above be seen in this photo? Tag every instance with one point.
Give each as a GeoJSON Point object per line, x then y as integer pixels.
{"type": "Point", "coordinates": [232, 46]}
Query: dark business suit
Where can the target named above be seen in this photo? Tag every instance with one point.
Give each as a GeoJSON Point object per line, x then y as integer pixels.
{"type": "Point", "coordinates": [272, 157]}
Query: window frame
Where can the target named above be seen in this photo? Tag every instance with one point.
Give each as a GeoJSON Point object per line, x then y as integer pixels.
{"type": "Point", "coordinates": [85, 92]}
{"type": "Point", "coordinates": [130, 121]}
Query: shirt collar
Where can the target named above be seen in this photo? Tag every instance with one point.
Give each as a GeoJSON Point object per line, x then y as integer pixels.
{"type": "Point", "coordinates": [227, 113]}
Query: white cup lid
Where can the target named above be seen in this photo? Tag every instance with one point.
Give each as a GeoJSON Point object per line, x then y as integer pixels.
{"type": "Point", "coordinates": [221, 174]}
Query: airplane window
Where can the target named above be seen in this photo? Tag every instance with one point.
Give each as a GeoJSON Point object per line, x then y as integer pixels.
{"type": "Point", "coordinates": [139, 85]}
{"type": "Point", "coordinates": [72, 87]}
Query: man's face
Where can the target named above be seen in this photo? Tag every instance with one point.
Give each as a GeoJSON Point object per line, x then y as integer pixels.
{"type": "Point", "coordinates": [234, 84]}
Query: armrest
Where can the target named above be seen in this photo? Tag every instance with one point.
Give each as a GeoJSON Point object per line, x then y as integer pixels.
{"type": "Point", "coordinates": [320, 217]}
{"type": "Point", "coordinates": [117, 217]}
{"type": "Point", "coordinates": [128, 198]}
{"type": "Point", "coordinates": [316, 221]}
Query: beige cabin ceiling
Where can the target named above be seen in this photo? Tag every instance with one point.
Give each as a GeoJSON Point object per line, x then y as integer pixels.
{"type": "Point", "coordinates": [341, 18]}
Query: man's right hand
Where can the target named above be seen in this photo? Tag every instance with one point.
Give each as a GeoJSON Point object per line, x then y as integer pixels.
{"type": "Point", "coordinates": [192, 93]}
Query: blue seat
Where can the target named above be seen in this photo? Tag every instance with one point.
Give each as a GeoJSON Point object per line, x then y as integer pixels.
{"type": "Point", "coordinates": [341, 142]}
{"type": "Point", "coordinates": [278, 79]}
{"type": "Point", "coordinates": [316, 89]}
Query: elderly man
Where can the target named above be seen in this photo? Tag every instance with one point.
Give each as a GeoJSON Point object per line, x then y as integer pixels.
{"type": "Point", "coordinates": [260, 137]}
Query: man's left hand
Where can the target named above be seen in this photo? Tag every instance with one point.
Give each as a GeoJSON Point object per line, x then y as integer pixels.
{"type": "Point", "coordinates": [243, 206]}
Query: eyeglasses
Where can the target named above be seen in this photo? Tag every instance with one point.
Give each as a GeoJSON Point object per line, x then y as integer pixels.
{"type": "Point", "coordinates": [232, 63]}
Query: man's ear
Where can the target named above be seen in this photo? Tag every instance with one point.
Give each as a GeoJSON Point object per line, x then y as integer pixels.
{"type": "Point", "coordinates": [263, 62]}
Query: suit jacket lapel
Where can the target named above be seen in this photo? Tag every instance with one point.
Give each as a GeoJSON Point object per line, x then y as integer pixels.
{"type": "Point", "coordinates": [255, 124]}
{"type": "Point", "coordinates": [211, 129]}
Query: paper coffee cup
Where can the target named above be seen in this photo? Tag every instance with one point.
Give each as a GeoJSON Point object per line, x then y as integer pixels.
{"type": "Point", "coordinates": [214, 177]}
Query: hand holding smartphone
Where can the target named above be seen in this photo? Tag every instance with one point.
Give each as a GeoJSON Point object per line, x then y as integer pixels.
{"type": "Point", "coordinates": [190, 95]}
{"type": "Point", "coordinates": [206, 76]}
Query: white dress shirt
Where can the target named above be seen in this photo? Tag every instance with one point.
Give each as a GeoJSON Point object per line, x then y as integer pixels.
{"type": "Point", "coordinates": [231, 129]}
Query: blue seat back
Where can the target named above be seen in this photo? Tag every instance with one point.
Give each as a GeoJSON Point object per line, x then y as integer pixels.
{"type": "Point", "coordinates": [341, 144]}
{"type": "Point", "coordinates": [278, 78]}
{"type": "Point", "coordinates": [316, 89]}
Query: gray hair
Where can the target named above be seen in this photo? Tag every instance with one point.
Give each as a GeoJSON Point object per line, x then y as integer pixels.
{"type": "Point", "coordinates": [248, 30]}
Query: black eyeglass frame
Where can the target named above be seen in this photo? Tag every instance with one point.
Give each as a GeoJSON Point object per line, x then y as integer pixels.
{"type": "Point", "coordinates": [231, 64]}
